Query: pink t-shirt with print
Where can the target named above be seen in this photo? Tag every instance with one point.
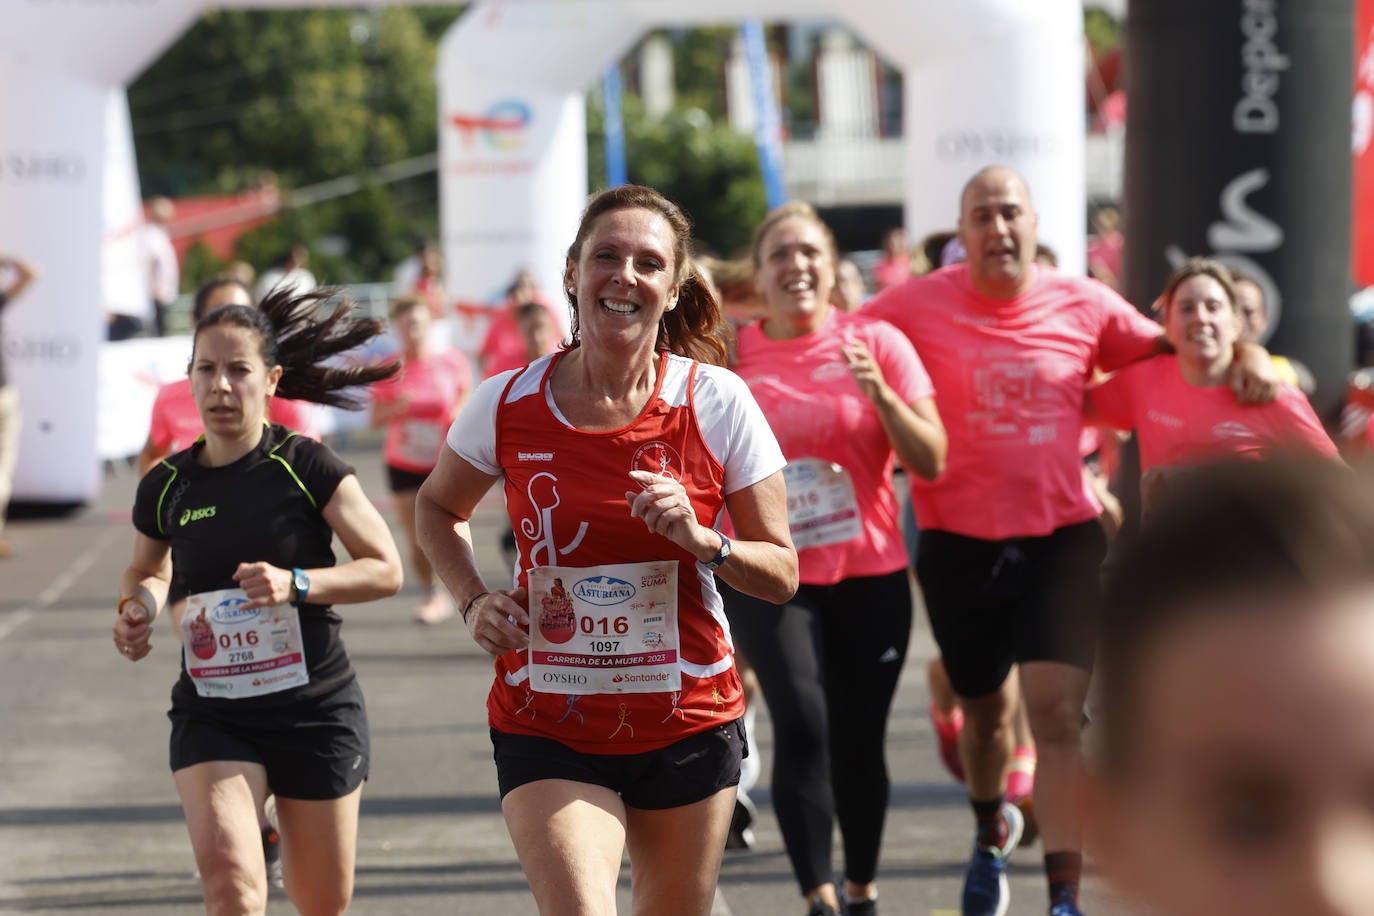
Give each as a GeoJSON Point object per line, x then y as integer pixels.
{"type": "Point", "coordinates": [436, 387]}
{"type": "Point", "coordinates": [1009, 377]}
{"type": "Point", "coordinates": [1178, 424]}
{"type": "Point", "coordinates": [817, 411]}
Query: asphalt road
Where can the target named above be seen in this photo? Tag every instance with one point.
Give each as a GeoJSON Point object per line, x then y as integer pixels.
{"type": "Point", "coordinates": [89, 819]}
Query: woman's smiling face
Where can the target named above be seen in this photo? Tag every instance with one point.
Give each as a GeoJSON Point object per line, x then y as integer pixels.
{"type": "Point", "coordinates": [625, 277]}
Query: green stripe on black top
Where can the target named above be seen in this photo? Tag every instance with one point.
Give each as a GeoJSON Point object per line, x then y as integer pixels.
{"type": "Point", "coordinates": [163, 495]}
{"type": "Point", "coordinates": [286, 464]}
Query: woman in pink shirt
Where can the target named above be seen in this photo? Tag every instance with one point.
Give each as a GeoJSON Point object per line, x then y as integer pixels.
{"type": "Point", "coordinates": [1182, 409]}
{"type": "Point", "coordinates": [844, 394]}
{"type": "Point", "coordinates": [416, 406]}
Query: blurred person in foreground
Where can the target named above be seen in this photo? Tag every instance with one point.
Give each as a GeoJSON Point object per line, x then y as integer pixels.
{"type": "Point", "coordinates": [21, 275]}
{"type": "Point", "coordinates": [1235, 759]}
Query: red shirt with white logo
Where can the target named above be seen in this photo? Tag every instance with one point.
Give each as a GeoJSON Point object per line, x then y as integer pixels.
{"type": "Point", "coordinates": [565, 493]}
{"type": "Point", "coordinates": [1178, 424]}
{"type": "Point", "coordinates": [1009, 377]}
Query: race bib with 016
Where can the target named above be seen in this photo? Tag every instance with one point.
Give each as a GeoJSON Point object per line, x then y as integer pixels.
{"type": "Point", "coordinates": [821, 508]}
{"type": "Point", "coordinates": [231, 652]}
{"type": "Point", "coordinates": [604, 629]}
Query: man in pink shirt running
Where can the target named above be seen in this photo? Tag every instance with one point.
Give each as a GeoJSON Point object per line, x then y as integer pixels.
{"type": "Point", "coordinates": [1010, 545]}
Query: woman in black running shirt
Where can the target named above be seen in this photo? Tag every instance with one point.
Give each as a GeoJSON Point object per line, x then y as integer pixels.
{"type": "Point", "coordinates": [267, 700]}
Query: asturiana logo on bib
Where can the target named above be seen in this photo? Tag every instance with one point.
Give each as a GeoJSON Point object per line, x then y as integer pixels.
{"type": "Point", "coordinates": [195, 515]}
{"type": "Point", "coordinates": [604, 590]}
{"type": "Point", "coordinates": [228, 611]}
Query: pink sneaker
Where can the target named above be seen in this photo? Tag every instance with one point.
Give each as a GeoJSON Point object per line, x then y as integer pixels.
{"type": "Point", "coordinates": [947, 729]}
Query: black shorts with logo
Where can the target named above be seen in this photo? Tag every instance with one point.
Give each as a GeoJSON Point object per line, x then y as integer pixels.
{"type": "Point", "coordinates": [993, 604]}
{"type": "Point", "coordinates": [682, 773]}
{"type": "Point", "coordinates": [316, 750]}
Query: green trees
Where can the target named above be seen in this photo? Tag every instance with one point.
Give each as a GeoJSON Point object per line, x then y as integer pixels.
{"type": "Point", "coordinates": [313, 95]}
{"type": "Point", "coordinates": [709, 170]}
{"type": "Point", "coordinates": [305, 96]}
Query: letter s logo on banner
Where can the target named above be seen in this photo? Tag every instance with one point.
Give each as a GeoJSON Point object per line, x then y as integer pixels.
{"type": "Point", "coordinates": [1243, 231]}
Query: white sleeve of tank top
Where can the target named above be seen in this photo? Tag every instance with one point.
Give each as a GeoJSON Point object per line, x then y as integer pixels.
{"type": "Point", "coordinates": [734, 428]}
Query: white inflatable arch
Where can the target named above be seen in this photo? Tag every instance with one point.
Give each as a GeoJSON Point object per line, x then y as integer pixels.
{"type": "Point", "coordinates": [985, 81]}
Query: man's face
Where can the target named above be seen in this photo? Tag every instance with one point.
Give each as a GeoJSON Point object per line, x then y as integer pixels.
{"type": "Point", "coordinates": [997, 227]}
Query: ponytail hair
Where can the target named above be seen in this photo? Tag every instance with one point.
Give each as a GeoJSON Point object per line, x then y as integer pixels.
{"type": "Point", "coordinates": [295, 332]}
{"type": "Point", "coordinates": [694, 328]}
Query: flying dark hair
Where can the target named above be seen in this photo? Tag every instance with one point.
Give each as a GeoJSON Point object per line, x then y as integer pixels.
{"type": "Point", "coordinates": [694, 328]}
{"type": "Point", "coordinates": [298, 333]}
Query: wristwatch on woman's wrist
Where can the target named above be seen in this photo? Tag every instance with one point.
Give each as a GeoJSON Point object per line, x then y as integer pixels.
{"type": "Point", "coordinates": [300, 586]}
{"type": "Point", "coordinates": [721, 555]}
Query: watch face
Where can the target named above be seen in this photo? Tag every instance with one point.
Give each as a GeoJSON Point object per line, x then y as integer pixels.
{"type": "Point", "coordinates": [301, 581]}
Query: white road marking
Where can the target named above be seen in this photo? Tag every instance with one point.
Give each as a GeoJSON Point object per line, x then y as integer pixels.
{"type": "Point", "coordinates": [59, 584]}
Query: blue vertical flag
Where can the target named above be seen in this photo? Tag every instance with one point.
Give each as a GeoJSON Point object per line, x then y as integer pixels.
{"type": "Point", "coordinates": [614, 128]}
{"type": "Point", "coordinates": [767, 125]}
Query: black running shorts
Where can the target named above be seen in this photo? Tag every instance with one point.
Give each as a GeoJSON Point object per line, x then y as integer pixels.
{"type": "Point", "coordinates": [993, 604]}
{"type": "Point", "coordinates": [316, 751]}
{"type": "Point", "coordinates": [683, 773]}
